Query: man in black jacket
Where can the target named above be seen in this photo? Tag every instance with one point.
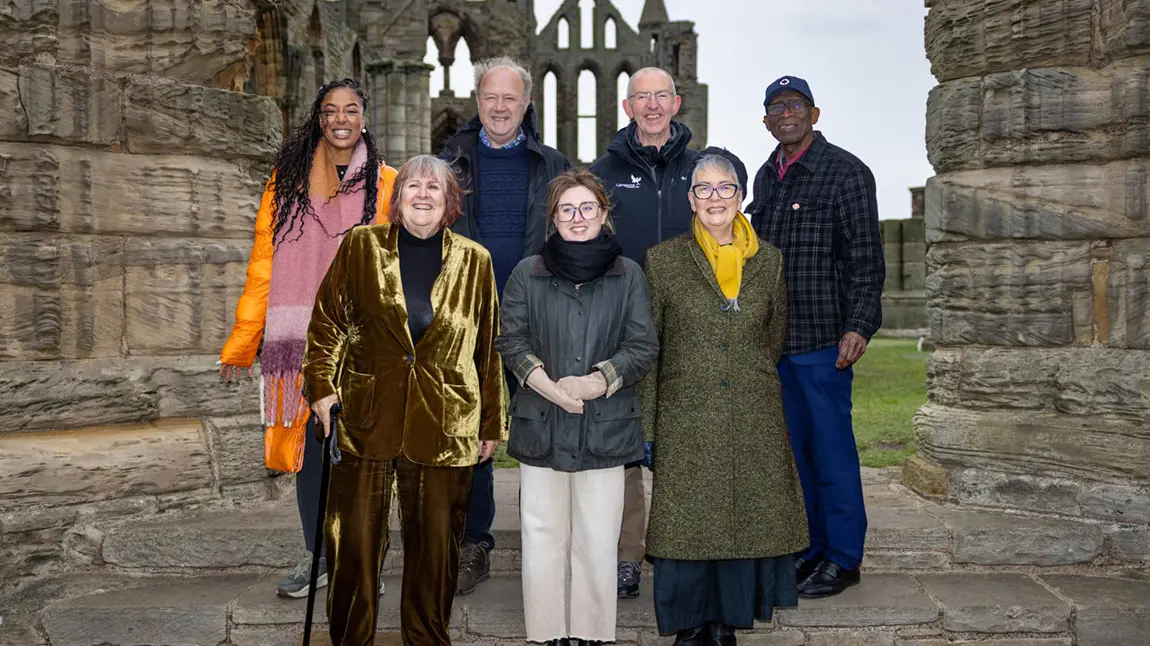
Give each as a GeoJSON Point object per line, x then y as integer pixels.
{"type": "Point", "coordinates": [647, 172]}
{"type": "Point", "coordinates": [504, 164]}
{"type": "Point", "coordinates": [816, 202]}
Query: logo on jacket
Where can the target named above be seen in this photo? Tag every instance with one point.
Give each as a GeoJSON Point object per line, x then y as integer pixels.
{"type": "Point", "coordinates": [635, 180]}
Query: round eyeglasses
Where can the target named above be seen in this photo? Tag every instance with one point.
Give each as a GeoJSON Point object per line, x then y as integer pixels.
{"type": "Point", "coordinates": [704, 191]}
{"type": "Point", "coordinates": [586, 210]}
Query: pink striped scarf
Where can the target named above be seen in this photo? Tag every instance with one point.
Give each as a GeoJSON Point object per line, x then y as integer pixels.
{"type": "Point", "coordinates": [298, 267]}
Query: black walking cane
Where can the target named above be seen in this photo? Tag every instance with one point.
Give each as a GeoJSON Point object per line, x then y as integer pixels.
{"type": "Point", "coordinates": [330, 456]}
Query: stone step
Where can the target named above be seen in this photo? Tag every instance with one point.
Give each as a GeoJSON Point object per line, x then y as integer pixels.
{"type": "Point", "coordinates": [905, 533]}
{"type": "Point", "coordinates": [886, 609]}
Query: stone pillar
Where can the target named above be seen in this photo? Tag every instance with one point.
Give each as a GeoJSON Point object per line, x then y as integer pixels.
{"type": "Point", "coordinates": [417, 81]}
{"type": "Point", "coordinates": [128, 195]}
{"type": "Point", "coordinates": [397, 115]}
{"type": "Point", "coordinates": [1039, 263]}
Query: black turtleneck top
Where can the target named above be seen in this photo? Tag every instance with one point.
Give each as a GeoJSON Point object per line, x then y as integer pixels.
{"type": "Point", "coordinates": [419, 264]}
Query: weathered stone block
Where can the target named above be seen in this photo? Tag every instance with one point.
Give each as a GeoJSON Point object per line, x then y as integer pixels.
{"type": "Point", "coordinates": [1124, 503]}
{"type": "Point", "coordinates": [1034, 443]}
{"type": "Point", "coordinates": [1132, 543]}
{"type": "Point", "coordinates": [953, 139]}
{"type": "Point", "coordinates": [1041, 116]}
{"type": "Point", "coordinates": [180, 294]}
{"type": "Point", "coordinates": [1000, 294]}
{"type": "Point", "coordinates": [13, 120]}
{"type": "Point", "coordinates": [69, 105]}
{"type": "Point", "coordinates": [67, 467]}
{"type": "Point", "coordinates": [1127, 297]}
{"type": "Point", "coordinates": [175, 612]}
{"type": "Point", "coordinates": [975, 38]}
{"type": "Point", "coordinates": [885, 600]}
{"type": "Point", "coordinates": [28, 28]}
{"type": "Point", "coordinates": [216, 539]}
{"type": "Point", "coordinates": [1049, 202]}
{"type": "Point", "coordinates": [1078, 381]}
{"type": "Point", "coordinates": [40, 395]}
{"type": "Point", "coordinates": [185, 40]}
{"type": "Point", "coordinates": [55, 188]}
{"type": "Point", "coordinates": [193, 119]}
{"type": "Point", "coordinates": [1111, 612]}
{"type": "Point", "coordinates": [238, 448]}
{"type": "Point", "coordinates": [1124, 27]}
{"type": "Point", "coordinates": [1012, 490]}
{"type": "Point", "coordinates": [996, 603]}
{"type": "Point", "coordinates": [1000, 539]}
{"type": "Point", "coordinates": [926, 478]}
{"type": "Point", "coordinates": [61, 298]}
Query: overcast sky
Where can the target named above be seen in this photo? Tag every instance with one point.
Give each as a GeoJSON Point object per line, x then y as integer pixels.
{"type": "Point", "coordinates": [864, 60]}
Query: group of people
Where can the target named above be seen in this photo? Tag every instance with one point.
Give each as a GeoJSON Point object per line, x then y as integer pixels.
{"type": "Point", "coordinates": [605, 320]}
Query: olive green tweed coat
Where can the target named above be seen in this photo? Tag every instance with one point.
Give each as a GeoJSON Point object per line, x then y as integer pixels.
{"type": "Point", "coordinates": [725, 484]}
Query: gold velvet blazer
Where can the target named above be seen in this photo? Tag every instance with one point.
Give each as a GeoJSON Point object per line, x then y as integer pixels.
{"type": "Point", "coordinates": [434, 401]}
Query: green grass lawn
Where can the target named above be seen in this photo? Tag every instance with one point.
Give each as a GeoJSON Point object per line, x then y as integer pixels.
{"type": "Point", "coordinates": [889, 386]}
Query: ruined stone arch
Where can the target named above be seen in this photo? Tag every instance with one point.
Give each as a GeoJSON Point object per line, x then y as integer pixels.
{"type": "Point", "coordinates": [316, 46]}
{"type": "Point", "coordinates": [446, 28]}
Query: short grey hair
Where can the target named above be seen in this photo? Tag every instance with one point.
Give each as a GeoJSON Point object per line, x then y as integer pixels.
{"type": "Point", "coordinates": [650, 70]}
{"type": "Point", "coordinates": [719, 163]}
{"type": "Point", "coordinates": [489, 64]}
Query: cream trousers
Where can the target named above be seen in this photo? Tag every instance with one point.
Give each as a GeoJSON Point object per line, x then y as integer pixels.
{"type": "Point", "coordinates": [570, 527]}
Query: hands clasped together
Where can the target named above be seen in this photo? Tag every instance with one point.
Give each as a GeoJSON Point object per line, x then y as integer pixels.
{"type": "Point", "coordinates": [568, 393]}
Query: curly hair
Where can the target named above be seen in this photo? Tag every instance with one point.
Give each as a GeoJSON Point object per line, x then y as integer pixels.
{"type": "Point", "coordinates": [293, 169]}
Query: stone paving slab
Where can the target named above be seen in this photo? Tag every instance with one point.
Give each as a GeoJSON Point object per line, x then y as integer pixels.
{"type": "Point", "coordinates": [188, 612]}
{"type": "Point", "coordinates": [987, 538]}
{"type": "Point", "coordinates": [996, 603]}
{"type": "Point", "coordinates": [884, 610]}
{"type": "Point", "coordinates": [1111, 612]}
{"type": "Point", "coordinates": [881, 600]}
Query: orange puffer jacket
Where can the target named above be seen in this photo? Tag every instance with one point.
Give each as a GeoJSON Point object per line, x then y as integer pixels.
{"type": "Point", "coordinates": [251, 311]}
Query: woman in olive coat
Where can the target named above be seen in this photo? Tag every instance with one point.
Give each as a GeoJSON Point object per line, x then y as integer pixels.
{"type": "Point", "coordinates": [576, 330]}
{"type": "Point", "coordinates": [727, 509]}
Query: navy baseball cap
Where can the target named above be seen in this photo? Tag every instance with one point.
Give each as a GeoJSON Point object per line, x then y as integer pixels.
{"type": "Point", "coordinates": [784, 83]}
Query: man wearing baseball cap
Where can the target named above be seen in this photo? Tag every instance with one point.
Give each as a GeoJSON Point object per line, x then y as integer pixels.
{"type": "Point", "coordinates": [817, 203]}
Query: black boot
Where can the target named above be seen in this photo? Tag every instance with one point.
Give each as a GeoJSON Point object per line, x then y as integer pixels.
{"type": "Point", "coordinates": [693, 637]}
{"type": "Point", "coordinates": [559, 642]}
{"type": "Point", "coordinates": [720, 635]}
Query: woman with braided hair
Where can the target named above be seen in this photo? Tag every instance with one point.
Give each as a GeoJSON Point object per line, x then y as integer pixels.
{"type": "Point", "coordinates": [328, 179]}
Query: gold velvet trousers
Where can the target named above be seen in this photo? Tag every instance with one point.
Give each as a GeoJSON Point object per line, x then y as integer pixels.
{"type": "Point", "coordinates": [433, 517]}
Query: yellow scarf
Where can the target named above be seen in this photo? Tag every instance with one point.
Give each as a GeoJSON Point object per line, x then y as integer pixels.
{"type": "Point", "coordinates": [727, 260]}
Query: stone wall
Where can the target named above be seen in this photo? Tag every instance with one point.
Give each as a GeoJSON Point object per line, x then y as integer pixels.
{"type": "Point", "coordinates": [1038, 276]}
{"type": "Point", "coordinates": [903, 293]}
{"type": "Point", "coordinates": [130, 175]}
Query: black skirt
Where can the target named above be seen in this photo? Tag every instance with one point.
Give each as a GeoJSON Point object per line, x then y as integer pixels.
{"type": "Point", "coordinates": [734, 592]}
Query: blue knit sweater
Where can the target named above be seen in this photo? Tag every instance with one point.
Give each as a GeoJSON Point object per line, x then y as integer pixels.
{"type": "Point", "coordinates": [501, 201]}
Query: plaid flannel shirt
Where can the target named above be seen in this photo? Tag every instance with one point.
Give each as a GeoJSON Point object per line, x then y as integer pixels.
{"type": "Point", "coordinates": [823, 216]}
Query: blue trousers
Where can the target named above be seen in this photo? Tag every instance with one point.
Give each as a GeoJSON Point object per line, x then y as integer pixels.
{"type": "Point", "coordinates": [481, 506]}
{"type": "Point", "coordinates": [817, 404]}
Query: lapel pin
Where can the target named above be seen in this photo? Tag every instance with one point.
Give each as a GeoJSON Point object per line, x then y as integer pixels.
{"type": "Point", "coordinates": [795, 206]}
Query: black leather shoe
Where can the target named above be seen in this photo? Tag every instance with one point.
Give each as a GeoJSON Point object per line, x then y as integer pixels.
{"type": "Point", "coordinates": [828, 579]}
{"type": "Point", "coordinates": [559, 642]}
{"type": "Point", "coordinates": [804, 568]}
{"type": "Point", "coordinates": [720, 635]}
{"type": "Point", "coordinates": [693, 637]}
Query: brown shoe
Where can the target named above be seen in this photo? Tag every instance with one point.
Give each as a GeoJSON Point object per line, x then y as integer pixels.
{"type": "Point", "coordinates": [474, 567]}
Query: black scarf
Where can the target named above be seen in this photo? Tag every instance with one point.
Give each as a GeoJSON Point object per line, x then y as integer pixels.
{"type": "Point", "coordinates": [580, 262]}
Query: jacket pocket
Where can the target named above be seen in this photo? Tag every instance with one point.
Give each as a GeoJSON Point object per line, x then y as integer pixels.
{"type": "Point", "coordinates": [615, 427]}
{"type": "Point", "coordinates": [357, 396]}
{"type": "Point", "coordinates": [460, 410]}
{"type": "Point", "coordinates": [530, 425]}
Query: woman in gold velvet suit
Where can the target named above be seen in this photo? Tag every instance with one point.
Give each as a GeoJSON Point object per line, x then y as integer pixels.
{"type": "Point", "coordinates": [403, 337]}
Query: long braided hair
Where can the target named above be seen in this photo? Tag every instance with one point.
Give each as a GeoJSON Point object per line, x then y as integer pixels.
{"type": "Point", "coordinates": [293, 170]}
